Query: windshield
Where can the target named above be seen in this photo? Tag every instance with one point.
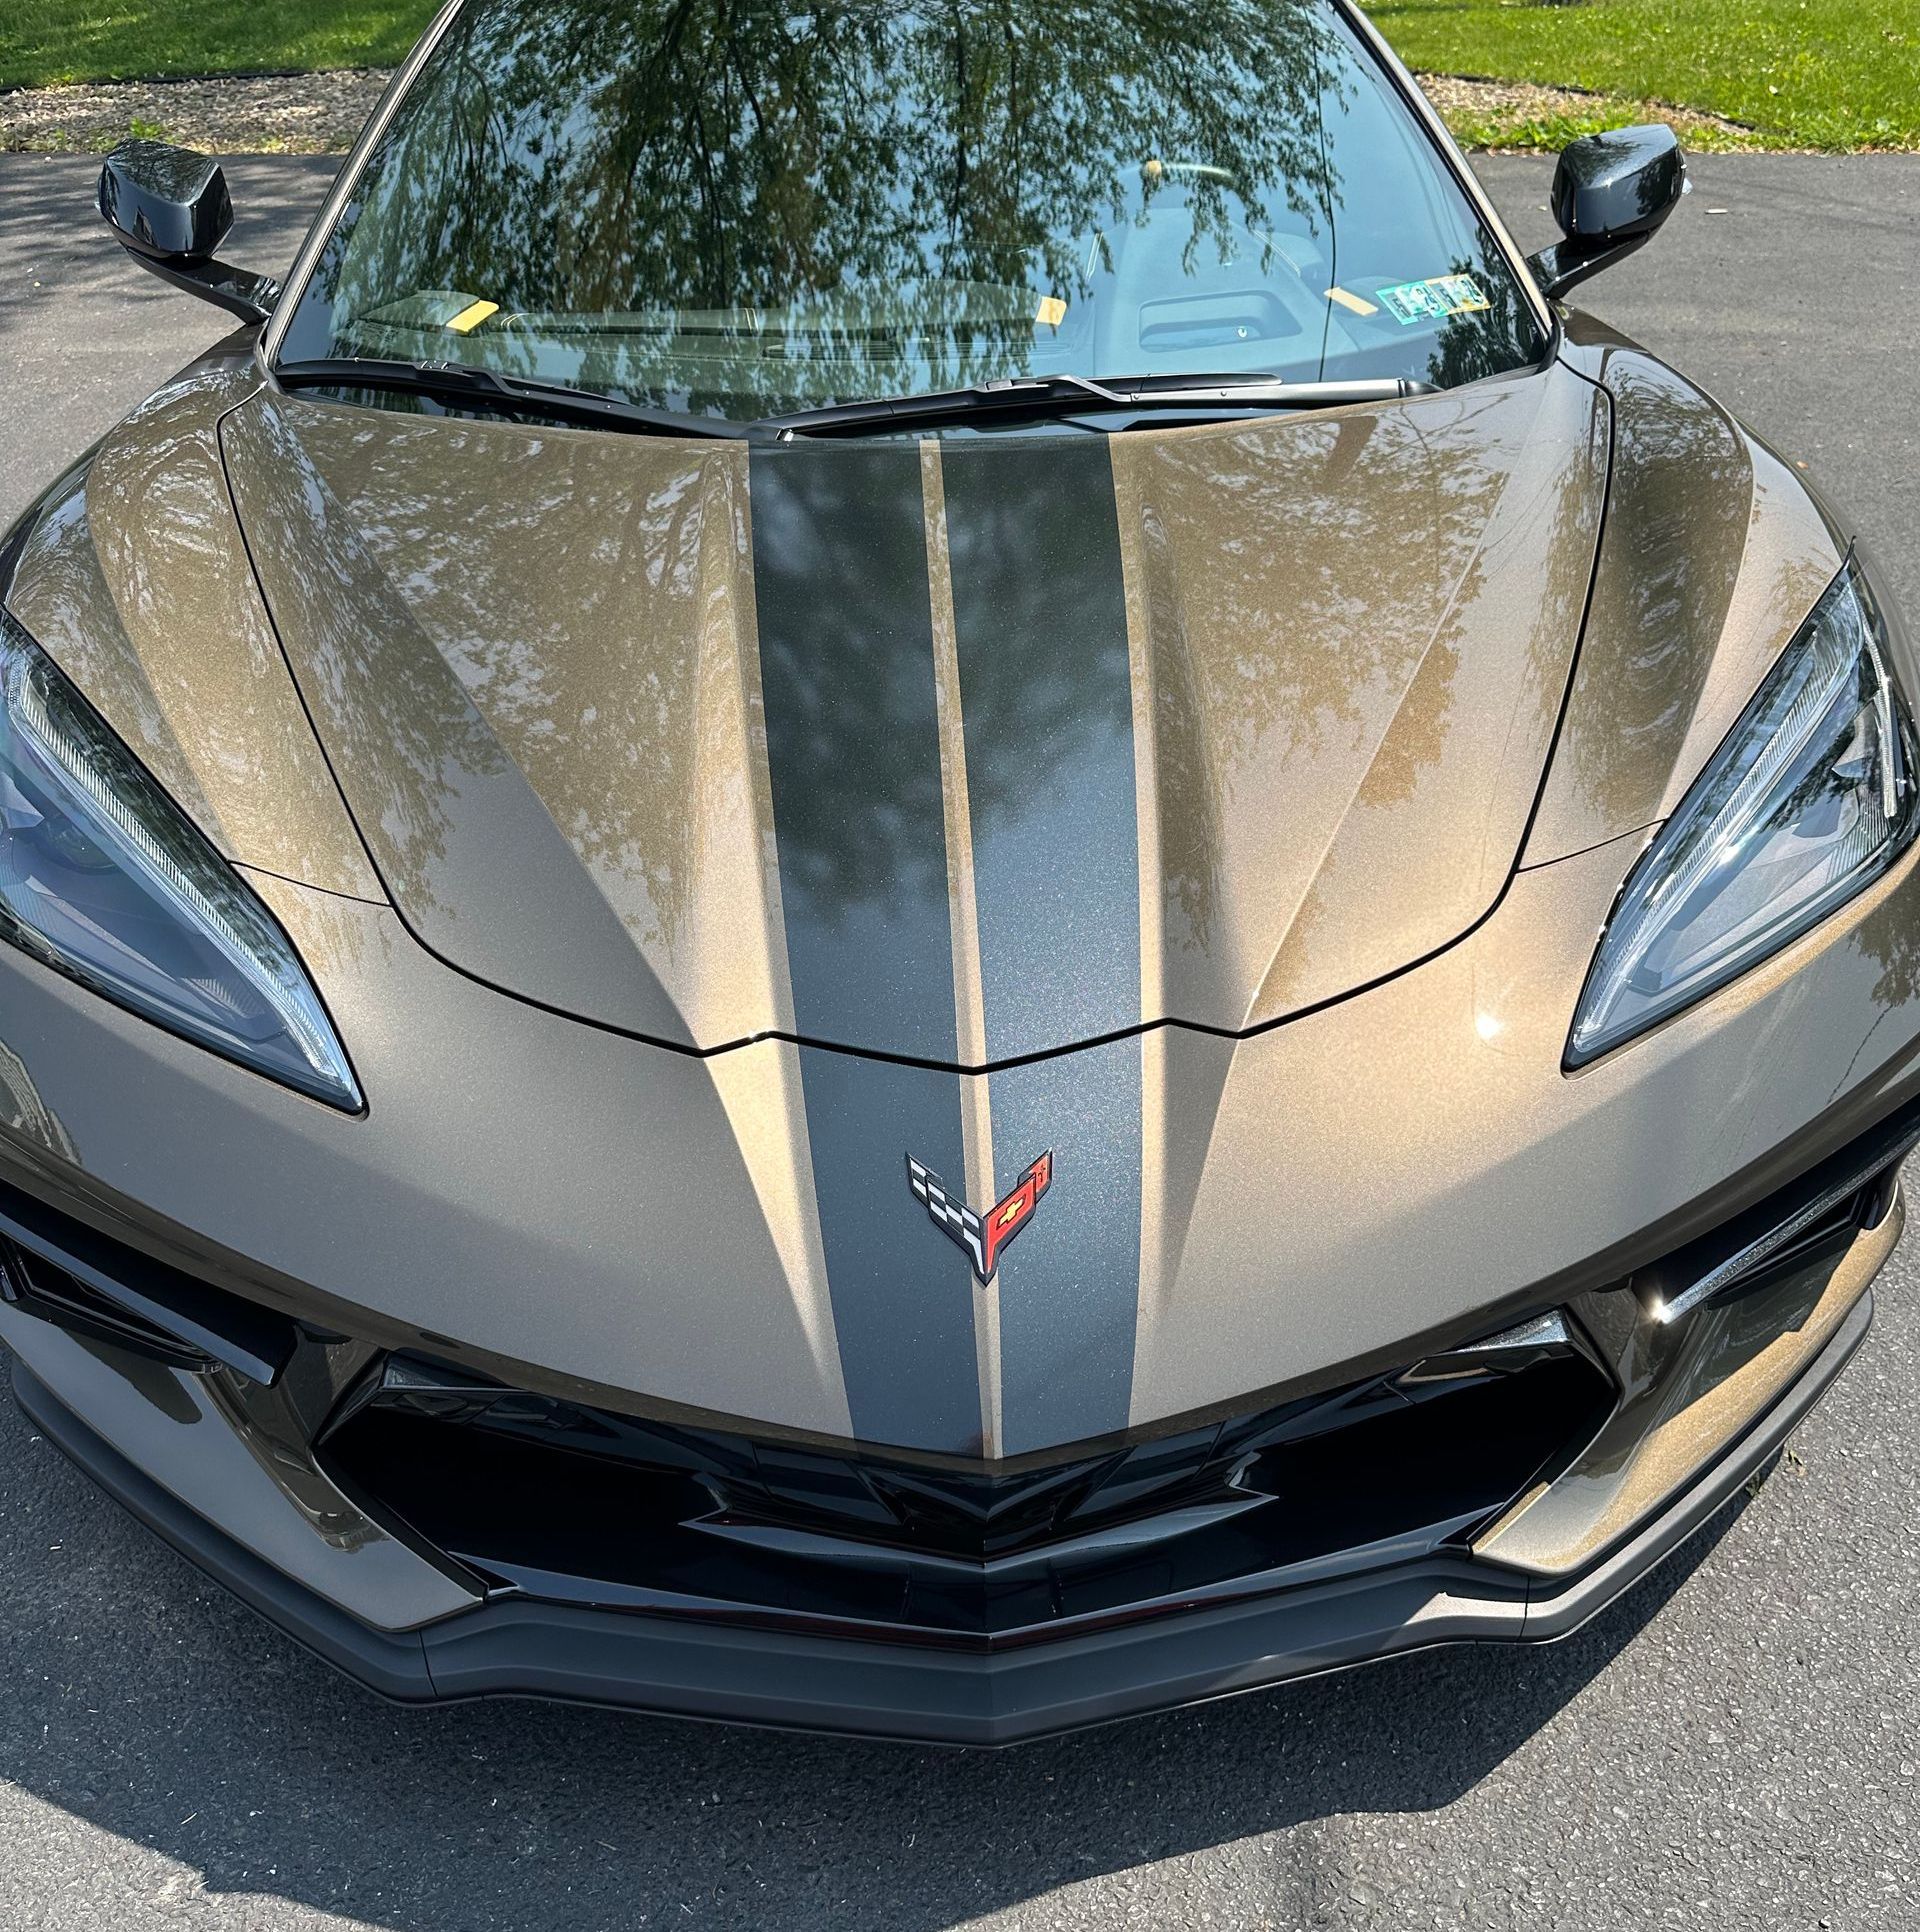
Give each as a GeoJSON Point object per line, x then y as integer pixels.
{"type": "Point", "coordinates": [737, 211]}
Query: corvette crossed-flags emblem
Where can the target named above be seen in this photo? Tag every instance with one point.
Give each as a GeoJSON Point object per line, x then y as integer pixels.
{"type": "Point", "coordinates": [984, 1236]}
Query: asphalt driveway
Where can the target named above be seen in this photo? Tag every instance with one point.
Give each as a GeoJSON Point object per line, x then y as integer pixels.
{"type": "Point", "coordinates": [1734, 1745]}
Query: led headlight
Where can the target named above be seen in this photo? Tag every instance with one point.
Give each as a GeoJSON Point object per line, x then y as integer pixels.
{"type": "Point", "coordinates": [1811, 797]}
{"type": "Point", "coordinates": [103, 878]}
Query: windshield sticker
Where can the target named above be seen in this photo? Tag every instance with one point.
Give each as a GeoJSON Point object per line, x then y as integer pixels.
{"type": "Point", "coordinates": [472, 316]}
{"type": "Point", "coordinates": [1433, 300]}
{"type": "Point", "coordinates": [1348, 300]}
{"type": "Point", "coordinates": [1052, 312]}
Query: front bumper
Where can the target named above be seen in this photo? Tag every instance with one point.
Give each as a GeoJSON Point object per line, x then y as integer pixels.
{"type": "Point", "coordinates": [519, 1647]}
{"type": "Point", "coordinates": [226, 1471]}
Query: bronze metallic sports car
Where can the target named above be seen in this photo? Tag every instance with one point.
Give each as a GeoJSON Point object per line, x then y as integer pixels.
{"type": "Point", "coordinates": [914, 870]}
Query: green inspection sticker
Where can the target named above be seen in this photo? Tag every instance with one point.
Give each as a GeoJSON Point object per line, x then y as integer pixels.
{"type": "Point", "coordinates": [1433, 300]}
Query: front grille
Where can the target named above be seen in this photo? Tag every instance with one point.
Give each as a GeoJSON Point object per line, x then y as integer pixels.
{"type": "Point", "coordinates": [577, 1504]}
{"type": "Point", "coordinates": [561, 1501]}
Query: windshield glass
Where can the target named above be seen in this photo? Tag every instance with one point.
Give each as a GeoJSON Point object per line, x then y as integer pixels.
{"type": "Point", "coordinates": [742, 210]}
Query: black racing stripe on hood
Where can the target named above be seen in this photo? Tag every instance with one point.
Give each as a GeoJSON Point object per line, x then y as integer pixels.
{"type": "Point", "coordinates": [1069, 1286]}
{"type": "Point", "coordinates": [845, 621]}
{"type": "Point", "coordinates": [1046, 692]}
{"type": "Point", "coordinates": [1047, 695]}
{"type": "Point", "coordinates": [853, 744]}
{"type": "Point", "coordinates": [902, 1292]}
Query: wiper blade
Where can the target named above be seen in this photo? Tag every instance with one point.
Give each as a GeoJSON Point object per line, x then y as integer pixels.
{"type": "Point", "coordinates": [486, 389]}
{"type": "Point", "coordinates": [1075, 395]}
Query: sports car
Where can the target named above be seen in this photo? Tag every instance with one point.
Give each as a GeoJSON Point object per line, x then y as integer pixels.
{"type": "Point", "coordinates": [915, 870]}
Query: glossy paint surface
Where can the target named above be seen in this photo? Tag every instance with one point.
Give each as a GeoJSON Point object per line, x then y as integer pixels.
{"type": "Point", "coordinates": [1354, 636]}
{"type": "Point", "coordinates": [1049, 767]}
{"type": "Point", "coordinates": [195, 1435]}
{"type": "Point", "coordinates": [1689, 1391]}
{"type": "Point", "coordinates": [652, 732]}
{"type": "Point", "coordinates": [605, 1215]}
{"type": "Point", "coordinates": [135, 579]}
{"type": "Point", "coordinates": [1713, 556]}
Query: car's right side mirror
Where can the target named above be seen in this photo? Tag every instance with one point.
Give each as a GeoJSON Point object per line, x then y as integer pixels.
{"type": "Point", "coordinates": [170, 210]}
{"type": "Point", "coordinates": [1611, 192]}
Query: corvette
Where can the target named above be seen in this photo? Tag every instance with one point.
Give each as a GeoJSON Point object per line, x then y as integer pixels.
{"type": "Point", "coordinates": [914, 870]}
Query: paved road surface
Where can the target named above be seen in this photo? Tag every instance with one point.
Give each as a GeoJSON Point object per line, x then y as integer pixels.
{"type": "Point", "coordinates": [1733, 1746]}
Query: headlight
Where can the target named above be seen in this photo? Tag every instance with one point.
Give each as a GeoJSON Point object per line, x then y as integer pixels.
{"type": "Point", "coordinates": [1811, 797]}
{"type": "Point", "coordinates": [102, 877]}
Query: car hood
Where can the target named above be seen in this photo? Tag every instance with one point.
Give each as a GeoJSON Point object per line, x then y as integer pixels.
{"type": "Point", "coordinates": [958, 751]}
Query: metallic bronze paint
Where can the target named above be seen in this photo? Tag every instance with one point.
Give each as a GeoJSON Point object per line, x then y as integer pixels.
{"type": "Point", "coordinates": [1398, 1165]}
{"type": "Point", "coordinates": [427, 652]}
{"type": "Point", "coordinates": [193, 1434]}
{"type": "Point", "coordinates": [484, 683]}
{"type": "Point", "coordinates": [135, 579]}
{"type": "Point", "coordinates": [1712, 558]}
{"type": "Point", "coordinates": [1417, 1147]}
{"type": "Point", "coordinates": [1358, 630]}
{"type": "Point", "coordinates": [1394, 696]}
{"type": "Point", "coordinates": [1690, 1390]}
{"type": "Point", "coordinates": [1403, 1166]}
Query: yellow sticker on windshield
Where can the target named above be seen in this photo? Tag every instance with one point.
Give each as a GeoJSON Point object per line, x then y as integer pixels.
{"type": "Point", "coordinates": [1051, 312]}
{"type": "Point", "coordinates": [1348, 300]}
{"type": "Point", "coordinates": [1433, 300]}
{"type": "Point", "coordinates": [471, 317]}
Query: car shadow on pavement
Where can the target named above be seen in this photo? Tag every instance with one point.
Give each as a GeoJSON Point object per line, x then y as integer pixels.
{"type": "Point", "coordinates": [146, 1702]}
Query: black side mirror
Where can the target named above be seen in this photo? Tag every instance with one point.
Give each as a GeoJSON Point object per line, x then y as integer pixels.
{"type": "Point", "coordinates": [170, 209]}
{"type": "Point", "coordinates": [1611, 192]}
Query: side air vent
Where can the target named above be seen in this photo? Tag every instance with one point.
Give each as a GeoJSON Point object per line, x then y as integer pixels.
{"type": "Point", "coordinates": [68, 1273]}
{"type": "Point", "coordinates": [37, 1287]}
{"type": "Point", "coordinates": [1819, 1214]}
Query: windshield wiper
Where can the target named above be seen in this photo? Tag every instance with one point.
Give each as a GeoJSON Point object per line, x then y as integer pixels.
{"type": "Point", "coordinates": [1055, 396]}
{"type": "Point", "coordinates": [470, 387]}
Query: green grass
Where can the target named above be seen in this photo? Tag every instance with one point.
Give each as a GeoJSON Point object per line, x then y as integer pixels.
{"type": "Point", "coordinates": [45, 42]}
{"type": "Point", "coordinates": [1799, 73]}
{"type": "Point", "coordinates": [1549, 133]}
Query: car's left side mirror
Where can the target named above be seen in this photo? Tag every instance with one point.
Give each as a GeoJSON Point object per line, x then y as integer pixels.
{"type": "Point", "coordinates": [1611, 192]}
{"type": "Point", "coordinates": [170, 210]}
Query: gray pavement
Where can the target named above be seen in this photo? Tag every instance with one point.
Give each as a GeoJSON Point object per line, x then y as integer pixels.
{"type": "Point", "coordinates": [1734, 1745]}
